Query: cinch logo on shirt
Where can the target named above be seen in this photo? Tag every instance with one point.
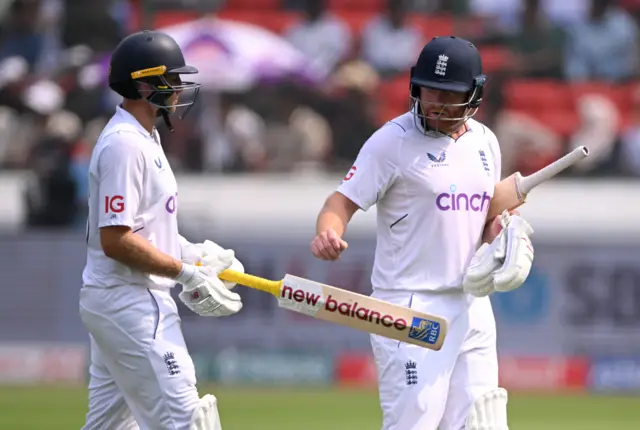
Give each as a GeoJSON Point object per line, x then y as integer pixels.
{"type": "Point", "coordinates": [453, 201]}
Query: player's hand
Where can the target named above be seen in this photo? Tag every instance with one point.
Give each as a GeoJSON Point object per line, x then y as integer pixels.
{"type": "Point", "coordinates": [212, 249]}
{"type": "Point", "coordinates": [494, 227]}
{"type": "Point", "coordinates": [478, 279]}
{"type": "Point", "coordinates": [328, 245]}
{"type": "Point", "coordinates": [193, 253]}
{"type": "Point", "coordinates": [504, 264]}
{"type": "Point", "coordinates": [203, 292]}
{"type": "Point", "coordinates": [516, 253]}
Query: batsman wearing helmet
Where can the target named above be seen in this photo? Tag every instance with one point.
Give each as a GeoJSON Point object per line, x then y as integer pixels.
{"type": "Point", "coordinates": [141, 374]}
{"type": "Point", "coordinates": [431, 174]}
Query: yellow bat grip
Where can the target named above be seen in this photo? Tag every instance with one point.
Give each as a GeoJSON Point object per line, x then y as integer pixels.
{"type": "Point", "coordinates": [255, 282]}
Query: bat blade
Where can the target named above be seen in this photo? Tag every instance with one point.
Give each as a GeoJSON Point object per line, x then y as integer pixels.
{"type": "Point", "coordinates": [349, 309]}
{"type": "Point", "coordinates": [511, 192]}
{"type": "Point", "coordinates": [362, 312]}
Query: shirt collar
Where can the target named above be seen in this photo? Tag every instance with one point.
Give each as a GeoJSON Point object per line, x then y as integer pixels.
{"type": "Point", "coordinates": [126, 116]}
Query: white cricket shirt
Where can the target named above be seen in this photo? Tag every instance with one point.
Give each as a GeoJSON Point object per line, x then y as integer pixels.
{"type": "Point", "coordinates": [130, 184]}
{"type": "Point", "coordinates": [432, 197]}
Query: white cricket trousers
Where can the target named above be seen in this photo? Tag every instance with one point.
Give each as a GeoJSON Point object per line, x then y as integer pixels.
{"type": "Point", "coordinates": [422, 389]}
{"type": "Point", "coordinates": [141, 374]}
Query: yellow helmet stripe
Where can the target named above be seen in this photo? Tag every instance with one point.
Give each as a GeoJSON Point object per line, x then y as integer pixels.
{"type": "Point", "coordinates": [153, 71]}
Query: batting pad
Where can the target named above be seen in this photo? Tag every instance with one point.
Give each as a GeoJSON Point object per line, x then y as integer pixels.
{"type": "Point", "coordinates": [489, 412]}
{"type": "Point", "coordinates": [205, 416]}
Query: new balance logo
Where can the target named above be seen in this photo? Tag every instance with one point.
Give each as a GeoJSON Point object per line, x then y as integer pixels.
{"type": "Point", "coordinates": [441, 65]}
{"type": "Point", "coordinates": [172, 364]}
{"type": "Point", "coordinates": [411, 372]}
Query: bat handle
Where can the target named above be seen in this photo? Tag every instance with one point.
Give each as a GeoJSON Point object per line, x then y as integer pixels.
{"type": "Point", "coordinates": [527, 183]}
{"type": "Point", "coordinates": [255, 282]}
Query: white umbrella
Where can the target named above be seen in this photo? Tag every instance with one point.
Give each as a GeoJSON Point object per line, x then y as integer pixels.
{"type": "Point", "coordinates": [232, 55]}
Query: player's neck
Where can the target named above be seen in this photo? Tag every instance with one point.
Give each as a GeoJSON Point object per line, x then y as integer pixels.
{"type": "Point", "coordinates": [141, 112]}
{"type": "Point", "coordinates": [459, 132]}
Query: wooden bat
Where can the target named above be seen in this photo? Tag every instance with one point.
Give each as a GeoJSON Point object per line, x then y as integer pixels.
{"type": "Point", "coordinates": [511, 192]}
{"type": "Point", "coordinates": [349, 309]}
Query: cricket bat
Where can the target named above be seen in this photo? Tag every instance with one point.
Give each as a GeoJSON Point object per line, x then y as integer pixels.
{"type": "Point", "coordinates": [349, 309]}
{"type": "Point", "coordinates": [511, 192]}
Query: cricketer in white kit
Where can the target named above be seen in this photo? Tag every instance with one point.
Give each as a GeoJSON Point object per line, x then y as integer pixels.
{"type": "Point", "coordinates": [431, 174]}
{"type": "Point", "coordinates": [141, 373]}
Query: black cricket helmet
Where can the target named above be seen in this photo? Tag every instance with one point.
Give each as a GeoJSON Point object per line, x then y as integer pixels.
{"type": "Point", "coordinates": [155, 59]}
{"type": "Point", "coordinates": [447, 63]}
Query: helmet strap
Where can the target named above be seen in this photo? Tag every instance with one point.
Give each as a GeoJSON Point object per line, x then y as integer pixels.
{"type": "Point", "coordinates": [165, 117]}
{"type": "Point", "coordinates": [162, 111]}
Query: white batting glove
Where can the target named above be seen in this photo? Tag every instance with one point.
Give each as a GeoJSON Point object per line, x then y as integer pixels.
{"type": "Point", "coordinates": [478, 279]}
{"type": "Point", "coordinates": [516, 253]}
{"type": "Point", "coordinates": [211, 248]}
{"type": "Point", "coordinates": [504, 264]}
{"type": "Point", "coordinates": [193, 253]}
{"type": "Point", "coordinates": [203, 292]}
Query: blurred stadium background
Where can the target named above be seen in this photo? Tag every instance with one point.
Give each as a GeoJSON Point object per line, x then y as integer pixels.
{"type": "Point", "coordinates": [292, 90]}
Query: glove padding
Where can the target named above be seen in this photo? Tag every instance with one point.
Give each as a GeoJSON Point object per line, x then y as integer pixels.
{"type": "Point", "coordinates": [203, 292]}
{"type": "Point", "coordinates": [193, 253]}
{"type": "Point", "coordinates": [504, 264]}
{"type": "Point", "coordinates": [478, 279]}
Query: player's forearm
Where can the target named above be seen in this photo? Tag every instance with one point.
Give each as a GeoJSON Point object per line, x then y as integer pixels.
{"type": "Point", "coordinates": [137, 253]}
{"type": "Point", "coordinates": [331, 220]}
{"type": "Point", "coordinates": [335, 215]}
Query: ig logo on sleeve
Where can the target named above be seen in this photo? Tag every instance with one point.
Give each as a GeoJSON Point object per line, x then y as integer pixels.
{"type": "Point", "coordinates": [350, 174]}
{"type": "Point", "coordinates": [113, 204]}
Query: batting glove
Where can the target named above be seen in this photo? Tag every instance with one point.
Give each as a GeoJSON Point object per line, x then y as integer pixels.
{"type": "Point", "coordinates": [193, 253]}
{"type": "Point", "coordinates": [516, 252]}
{"type": "Point", "coordinates": [203, 292]}
{"type": "Point", "coordinates": [504, 264]}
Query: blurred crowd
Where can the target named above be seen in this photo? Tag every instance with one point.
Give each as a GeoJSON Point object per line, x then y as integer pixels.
{"type": "Point", "coordinates": [562, 73]}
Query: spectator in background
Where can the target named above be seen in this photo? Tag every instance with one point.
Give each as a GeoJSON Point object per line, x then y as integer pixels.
{"type": "Point", "coordinates": [389, 43]}
{"type": "Point", "coordinates": [21, 34]}
{"type": "Point", "coordinates": [295, 136]}
{"type": "Point", "coordinates": [90, 23]}
{"type": "Point", "coordinates": [351, 109]}
{"type": "Point", "coordinates": [500, 15]}
{"type": "Point", "coordinates": [82, 83]}
{"type": "Point", "coordinates": [537, 45]}
{"type": "Point", "coordinates": [322, 37]}
{"type": "Point", "coordinates": [505, 13]}
{"type": "Point", "coordinates": [35, 102]}
{"type": "Point", "coordinates": [53, 197]}
{"type": "Point", "coordinates": [526, 143]}
{"type": "Point", "coordinates": [243, 130]}
{"type": "Point", "coordinates": [630, 141]}
{"type": "Point", "coordinates": [50, 194]}
{"type": "Point", "coordinates": [598, 131]}
{"type": "Point", "coordinates": [13, 74]}
{"type": "Point", "coordinates": [604, 47]}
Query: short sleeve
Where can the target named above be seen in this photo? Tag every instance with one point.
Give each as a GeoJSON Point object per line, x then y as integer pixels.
{"type": "Point", "coordinates": [121, 167]}
{"type": "Point", "coordinates": [374, 170]}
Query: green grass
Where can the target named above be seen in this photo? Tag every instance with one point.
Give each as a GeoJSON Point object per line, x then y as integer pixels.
{"type": "Point", "coordinates": [56, 408]}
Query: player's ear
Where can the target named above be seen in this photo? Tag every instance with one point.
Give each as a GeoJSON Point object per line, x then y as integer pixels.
{"type": "Point", "coordinates": [477, 92]}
